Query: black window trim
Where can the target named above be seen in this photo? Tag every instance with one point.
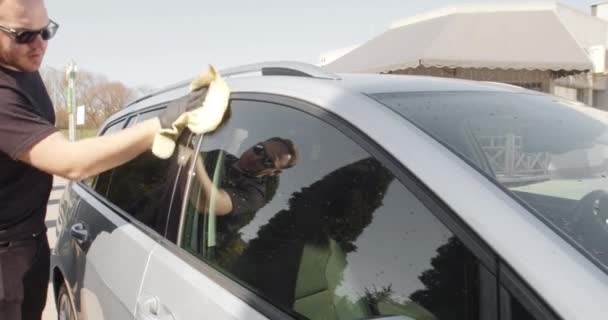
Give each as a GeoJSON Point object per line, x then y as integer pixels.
{"type": "Point", "coordinates": [132, 120]}
{"type": "Point", "coordinates": [437, 208]}
{"type": "Point", "coordinates": [527, 297]}
{"type": "Point", "coordinates": [158, 107]}
{"type": "Point", "coordinates": [113, 123]}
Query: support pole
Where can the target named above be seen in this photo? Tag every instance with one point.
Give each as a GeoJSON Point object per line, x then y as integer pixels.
{"type": "Point", "coordinates": [70, 77]}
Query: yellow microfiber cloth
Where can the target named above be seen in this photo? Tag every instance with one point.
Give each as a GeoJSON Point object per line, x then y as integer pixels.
{"type": "Point", "coordinates": [205, 119]}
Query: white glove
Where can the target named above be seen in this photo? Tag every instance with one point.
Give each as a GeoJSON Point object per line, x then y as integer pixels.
{"type": "Point", "coordinates": [213, 112]}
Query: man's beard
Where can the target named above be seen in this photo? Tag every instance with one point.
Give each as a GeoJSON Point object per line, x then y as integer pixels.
{"type": "Point", "coordinates": [8, 61]}
{"type": "Point", "coordinates": [11, 61]}
{"type": "Point", "coordinates": [5, 60]}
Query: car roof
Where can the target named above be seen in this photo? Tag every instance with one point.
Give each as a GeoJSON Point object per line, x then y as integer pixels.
{"type": "Point", "coordinates": [376, 83]}
{"type": "Point", "coordinates": [355, 83]}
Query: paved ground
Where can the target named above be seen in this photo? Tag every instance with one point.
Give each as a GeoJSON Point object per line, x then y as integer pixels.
{"type": "Point", "coordinates": [50, 313]}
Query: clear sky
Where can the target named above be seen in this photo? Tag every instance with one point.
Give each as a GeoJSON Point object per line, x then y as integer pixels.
{"type": "Point", "coordinates": [156, 43]}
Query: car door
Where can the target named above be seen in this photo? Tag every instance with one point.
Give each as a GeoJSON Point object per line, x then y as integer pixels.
{"type": "Point", "coordinates": [340, 235]}
{"type": "Point", "coordinates": [118, 224]}
{"type": "Point", "coordinates": [74, 238]}
{"type": "Point", "coordinates": [111, 258]}
{"type": "Point", "coordinates": [177, 285]}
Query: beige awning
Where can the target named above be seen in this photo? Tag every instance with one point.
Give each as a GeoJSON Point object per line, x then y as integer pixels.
{"type": "Point", "coordinates": [534, 39]}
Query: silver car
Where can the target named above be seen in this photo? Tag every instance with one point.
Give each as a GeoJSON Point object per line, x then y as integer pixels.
{"type": "Point", "coordinates": [404, 197]}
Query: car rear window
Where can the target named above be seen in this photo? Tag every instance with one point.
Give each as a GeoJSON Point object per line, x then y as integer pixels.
{"type": "Point", "coordinates": [546, 151]}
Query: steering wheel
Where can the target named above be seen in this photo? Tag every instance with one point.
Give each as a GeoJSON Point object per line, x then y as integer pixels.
{"type": "Point", "coordinates": [590, 224]}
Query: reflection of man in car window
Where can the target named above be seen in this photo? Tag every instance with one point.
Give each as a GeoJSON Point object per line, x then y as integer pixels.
{"type": "Point", "coordinates": [234, 188]}
{"type": "Point", "coordinates": [244, 182]}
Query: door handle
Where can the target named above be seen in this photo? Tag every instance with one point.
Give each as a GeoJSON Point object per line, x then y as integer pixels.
{"type": "Point", "coordinates": [79, 232]}
{"type": "Point", "coordinates": [150, 308]}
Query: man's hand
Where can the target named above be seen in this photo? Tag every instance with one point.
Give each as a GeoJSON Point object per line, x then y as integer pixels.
{"type": "Point", "coordinates": [203, 110]}
{"type": "Point", "coordinates": [176, 108]}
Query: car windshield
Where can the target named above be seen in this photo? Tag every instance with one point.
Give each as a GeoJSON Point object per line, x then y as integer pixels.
{"type": "Point", "coordinates": [548, 152]}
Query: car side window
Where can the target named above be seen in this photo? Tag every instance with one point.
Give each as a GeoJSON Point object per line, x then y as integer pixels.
{"type": "Point", "coordinates": [102, 182]}
{"type": "Point", "coordinates": [143, 187]}
{"type": "Point", "coordinates": [149, 114]}
{"type": "Point", "coordinates": [117, 126]}
{"type": "Point", "coordinates": [333, 236]}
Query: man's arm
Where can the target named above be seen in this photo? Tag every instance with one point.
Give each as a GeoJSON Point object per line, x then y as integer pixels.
{"type": "Point", "coordinates": [223, 203]}
{"type": "Point", "coordinates": [77, 160]}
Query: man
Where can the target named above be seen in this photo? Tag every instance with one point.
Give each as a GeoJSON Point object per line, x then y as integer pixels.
{"type": "Point", "coordinates": [243, 181]}
{"type": "Point", "coordinates": [245, 184]}
{"type": "Point", "coordinates": [32, 151]}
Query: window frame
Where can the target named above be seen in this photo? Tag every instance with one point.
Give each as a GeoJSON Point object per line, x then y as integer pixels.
{"type": "Point", "coordinates": [129, 120]}
{"type": "Point", "coordinates": [487, 258]}
{"type": "Point", "coordinates": [150, 112]}
{"type": "Point", "coordinates": [512, 286]}
{"type": "Point", "coordinates": [132, 120]}
{"type": "Point", "coordinates": [112, 124]}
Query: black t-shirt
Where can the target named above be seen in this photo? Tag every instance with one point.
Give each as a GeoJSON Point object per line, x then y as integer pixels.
{"type": "Point", "coordinates": [247, 193]}
{"type": "Point", "coordinates": [26, 117]}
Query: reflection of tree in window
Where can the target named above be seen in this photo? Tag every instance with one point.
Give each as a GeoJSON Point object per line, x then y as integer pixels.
{"type": "Point", "coordinates": [375, 296]}
{"type": "Point", "coordinates": [336, 208]}
{"type": "Point", "coordinates": [452, 286]}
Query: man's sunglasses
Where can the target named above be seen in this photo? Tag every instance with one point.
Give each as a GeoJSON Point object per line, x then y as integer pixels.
{"type": "Point", "coordinates": [260, 151]}
{"type": "Point", "coordinates": [24, 36]}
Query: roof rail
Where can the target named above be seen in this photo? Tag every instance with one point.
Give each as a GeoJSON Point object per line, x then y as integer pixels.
{"type": "Point", "coordinates": [271, 68]}
{"type": "Point", "coordinates": [281, 68]}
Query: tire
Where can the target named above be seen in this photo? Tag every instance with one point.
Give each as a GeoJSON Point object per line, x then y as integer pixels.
{"type": "Point", "coordinates": [65, 309]}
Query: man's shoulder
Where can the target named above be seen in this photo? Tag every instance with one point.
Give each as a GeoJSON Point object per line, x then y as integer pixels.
{"type": "Point", "coordinates": [7, 80]}
{"type": "Point", "coordinates": [19, 82]}
{"type": "Point", "coordinates": [9, 87]}
{"type": "Point", "coordinates": [11, 98]}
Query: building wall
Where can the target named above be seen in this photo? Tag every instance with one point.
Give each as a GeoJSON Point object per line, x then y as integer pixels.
{"type": "Point", "coordinates": [576, 87]}
{"type": "Point", "coordinates": [565, 92]}
{"type": "Point", "coordinates": [538, 80]}
{"type": "Point", "coordinates": [590, 89]}
{"type": "Point", "coordinates": [600, 99]}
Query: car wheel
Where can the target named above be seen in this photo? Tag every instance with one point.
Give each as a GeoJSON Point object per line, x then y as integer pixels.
{"type": "Point", "coordinates": [65, 310]}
